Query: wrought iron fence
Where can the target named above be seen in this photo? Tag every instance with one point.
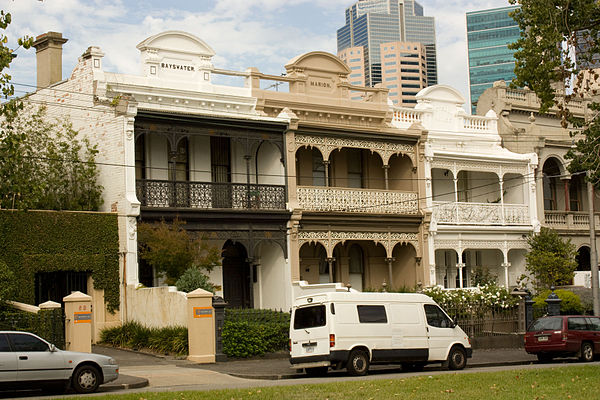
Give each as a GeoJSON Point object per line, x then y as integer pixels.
{"type": "Point", "coordinates": [48, 324]}
{"type": "Point", "coordinates": [163, 193]}
{"type": "Point", "coordinates": [483, 320]}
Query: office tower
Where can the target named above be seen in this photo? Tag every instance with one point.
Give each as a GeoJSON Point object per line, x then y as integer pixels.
{"type": "Point", "coordinates": [404, 70]}
{"type": "Point", "coordinates": [376, 24]}
{"type": "Point", "coordinates": [488, 34]}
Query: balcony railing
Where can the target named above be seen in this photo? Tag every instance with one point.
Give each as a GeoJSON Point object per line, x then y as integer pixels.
{"type": "Point", "coordinates": [480, 213]}
{"type": "Point", "coordinates": [569, 219]}
{"type": "Point", "coordinates": [162, 193]}
{"type": "Point", "coordinates": [367, 201]}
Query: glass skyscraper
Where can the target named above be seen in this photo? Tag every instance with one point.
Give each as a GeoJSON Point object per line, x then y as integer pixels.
{"type": "Point", "coordinates": [488, 34]}
{"type": "Point", "coordinates": [372, 23]}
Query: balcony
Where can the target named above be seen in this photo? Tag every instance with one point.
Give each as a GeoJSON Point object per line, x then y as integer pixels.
{"type": "Point", "coordinates": [570, 220]}
{"type": "Point", "coordinates": [480, 213]}
{"type": "Point", "coordinates": [367, 201]}
{"type": "Point", "coordinates": [207, 195]}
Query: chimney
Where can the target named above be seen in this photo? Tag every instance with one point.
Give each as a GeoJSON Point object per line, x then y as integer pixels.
{"type": "Point", "coordinates": [48, 52]}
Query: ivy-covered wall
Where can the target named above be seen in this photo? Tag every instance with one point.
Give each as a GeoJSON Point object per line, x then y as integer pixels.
{"type": "Point", "coordinates": [47, 241]}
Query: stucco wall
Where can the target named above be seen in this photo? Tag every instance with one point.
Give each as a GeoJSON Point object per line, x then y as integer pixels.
{"type": "Point", "coordinates": [157, 306]}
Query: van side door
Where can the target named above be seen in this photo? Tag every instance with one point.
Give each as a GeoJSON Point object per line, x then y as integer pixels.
{"type": "Point", "coordinates": [409, 333]}
{"type": "Point", "coordinates": [8, 361]}
{"type": "Point", "coordinates": [440, 332]}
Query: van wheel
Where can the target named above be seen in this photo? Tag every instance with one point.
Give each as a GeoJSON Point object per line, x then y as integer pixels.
{"type": "Point", "coordinates": [587, 352]}
{"type": "Point", "coordinates": [316, 371]}
{"type": "Point", "coordinates": [358, 363]}
{"type": "Point", "coordinates": [457, 359]}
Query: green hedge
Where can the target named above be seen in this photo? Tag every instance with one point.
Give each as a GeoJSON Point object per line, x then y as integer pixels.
{"type": "Point", "coordinates": [133, 335]}
{"type": "Point", "coordinates": [250, 332]}
{"type": "Point", "coordinates": [48, 324]}
{"type": "Point", "coordinates": [48, 241]}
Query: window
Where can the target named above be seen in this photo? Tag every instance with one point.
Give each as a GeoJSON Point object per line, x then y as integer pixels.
{"type": "Point", "coordinates": [354, 59]}
{"type": "Point", "coordinates": [355, 172]}
{"type": "Point", "coordinates": [4, 346]}
{"type": "Point", "coordinates": [389, 56]}
{"type": "Point", "coordinates": [23, 342]}
{"type": "Point", "coordinates": [309, 317]}
{"type": "Point", "coordinates": [140, 158]}
{"type": "Point", "coordinates": [179, 164]}
{"type": "Point", "coordinates": [318, 168]}
{"type": "Point", "coordinates": [356, 260]}
{"type": "Point", "coordinates": [546, 324]}
{"type": "Point", "coordinates": [355, 75]}
{"type": "Point", "coordinates": [390, 63]}
{"type": "Point", "coordinates": [372, 314]}
{"type": "Point", "coordinates": [594, 323]}
{"type": "Point", "coordinates": [577, 324]}
{"type": "Point", "coordinates": [436, 317]}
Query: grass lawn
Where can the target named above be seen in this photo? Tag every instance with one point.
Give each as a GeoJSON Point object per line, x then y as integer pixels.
{"type": "Point", "coordinates": [577, 382]}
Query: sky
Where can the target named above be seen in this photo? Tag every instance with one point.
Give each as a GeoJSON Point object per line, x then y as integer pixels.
{"type": "Point", "coordinates": [244, 33]}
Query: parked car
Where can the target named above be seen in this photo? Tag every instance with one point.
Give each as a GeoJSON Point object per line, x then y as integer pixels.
{"type": "Point", "coordinates": [352, 330]}
{"type": "Point", "coordinates": [564, 336]}
{"type": "Point", "coordinates": [27, 361]}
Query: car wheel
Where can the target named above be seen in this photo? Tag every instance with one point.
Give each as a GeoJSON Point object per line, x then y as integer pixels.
{"type": "Point", "coordinates": [543, 357]}
{"type": "Point", "coordinates": [86, 379]}
{"type": "Point", "coordinates": [316, 371]}
{"type": "Point", "coordinates": [457, 359]}
{"type": "Point", "coordinates": [587, 352]}
{"type": "Point", "coordinates": [358, 363]}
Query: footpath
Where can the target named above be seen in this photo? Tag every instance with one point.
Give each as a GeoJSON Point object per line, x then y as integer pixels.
{"type": "Point", "coordinates": [139, 369]}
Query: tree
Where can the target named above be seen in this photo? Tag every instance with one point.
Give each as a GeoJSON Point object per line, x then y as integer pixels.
{"type": "Point", "coordinates": [171, 250]}
{"type": "Point", "coordinates": [45, 165]}
{"type": "Point", "coordinates": [560, 46]}
{"type": "Point", "coordinates": [551, 260]}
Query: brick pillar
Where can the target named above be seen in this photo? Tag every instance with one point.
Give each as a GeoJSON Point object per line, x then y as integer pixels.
{"type": "Point", "coordinates": [201, 326]}
{"type": "Point", "coordinates": [78, 324]}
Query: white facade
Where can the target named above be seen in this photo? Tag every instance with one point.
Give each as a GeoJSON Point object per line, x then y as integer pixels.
{"type": "Point", "coordinates": [481, 196]}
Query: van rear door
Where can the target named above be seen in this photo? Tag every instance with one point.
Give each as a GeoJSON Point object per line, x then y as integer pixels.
{"type": "Point", "coordinates": [309, 331]}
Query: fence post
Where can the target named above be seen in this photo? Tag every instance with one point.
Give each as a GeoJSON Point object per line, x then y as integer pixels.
{"type": "Point", "coordinates": [219, 305]}
{"type": "Point", "coordinates": [553, 303]}
{"type": "Point", "coordinates": [51, 313]}
{"type": "Point", "coordinates": [522, 316]}
{"type": "Point", "coordinates": [201, 326]}
{"type": "Point", "coordinates": [78, 324]}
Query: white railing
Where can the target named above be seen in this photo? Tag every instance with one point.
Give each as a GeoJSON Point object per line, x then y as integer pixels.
{"type": "Point", "coordinates": [569, 219]}
{"type": "Point", "coordinates": [480, 213]}
{"type": "Point", "coordinates": [407, 116]}
{"type": "Point", "coordinates": [368, 201]}
{"type": "Point", "coordinates": [477, 124]}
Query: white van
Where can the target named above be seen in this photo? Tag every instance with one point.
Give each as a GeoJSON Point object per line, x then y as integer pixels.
{"type": "Point", "coordinates": [353, 330]}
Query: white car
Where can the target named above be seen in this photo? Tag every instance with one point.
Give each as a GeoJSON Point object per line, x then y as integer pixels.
{"type": "Point", "coordinates": [27, 361]}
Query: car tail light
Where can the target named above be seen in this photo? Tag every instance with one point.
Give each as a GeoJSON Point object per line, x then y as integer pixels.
{"type": "Point", "coordinates": [331, 340]}
{"type": "Point", "coordinates": [290, 344]}
{"type": "Point", "coordinates": [564, 336]}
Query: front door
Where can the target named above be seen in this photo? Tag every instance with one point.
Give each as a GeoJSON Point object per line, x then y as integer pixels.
{"type": "Point", "coordinates": [236, 276]}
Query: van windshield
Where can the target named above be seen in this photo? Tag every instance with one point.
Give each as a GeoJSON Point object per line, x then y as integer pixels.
{"type": "Point", "coordinates": [546, 324]}
{"type": "Point", "coordinates": [309, 317]}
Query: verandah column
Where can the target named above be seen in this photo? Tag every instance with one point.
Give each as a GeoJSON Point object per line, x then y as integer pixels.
{"type": "Point", "coordinates": [389, 261]}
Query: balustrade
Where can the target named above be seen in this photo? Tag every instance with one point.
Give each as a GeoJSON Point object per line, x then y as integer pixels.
{"type": "Point", "coordinates": [368, 201]}
{"type": "Point", "coordinates": [162, 193]}
{"type": "Point", "coordinates": [480, 213]}
{"type": "Point", "coordinates": [569, 219]}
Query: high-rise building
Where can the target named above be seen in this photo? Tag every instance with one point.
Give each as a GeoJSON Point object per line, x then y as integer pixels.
{"type": "Point", "coordinates": [489, 32]}
{"type": "Point", "coordinates": [376, 24]}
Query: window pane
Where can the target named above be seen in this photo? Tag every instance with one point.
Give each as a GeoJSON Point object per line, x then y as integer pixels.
{"type": "Point", "coordinates": [23, 342]}
{"type": "Point", "coordinates": [436, 317]}
{"type": "Point", "coordinates": [594, 324]}
{"type": "Point", "coordinates": [4, 346]}
{"type": "Point", "coordinates": [309, 317]}
{"type": "Point", "coordinates": [372, 314]}
{"type": "Point", "coordinates": [577, 324]}
{"type": "Point", "coordinates": [546, 324]}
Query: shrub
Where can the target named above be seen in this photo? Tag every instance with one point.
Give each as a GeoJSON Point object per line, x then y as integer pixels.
{"type": "Point", "coordinates": [133, 335]}
{"type": "Point", "coordinates": [570, 304]}
{"type": "Point", "coordinates": [192, 279]}
{"type": "Point", "coordinates": [250, 332]}
{"type": "Point", "coordinates": [486, 296]}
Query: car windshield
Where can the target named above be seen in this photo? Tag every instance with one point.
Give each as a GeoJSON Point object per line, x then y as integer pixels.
{"type": "Point", "coordinates": [309, 317]}
{"type": "Point", "coordinates": [546, 324]}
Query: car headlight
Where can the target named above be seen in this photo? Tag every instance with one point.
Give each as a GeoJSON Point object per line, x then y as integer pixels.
{"type": "Point", "coordinates": [112, 361]}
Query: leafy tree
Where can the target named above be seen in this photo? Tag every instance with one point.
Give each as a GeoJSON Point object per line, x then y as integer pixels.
{"type": "Point", "coordinates": [171, 250]}
{"type": "Point", "coordinates": [193, 278]}
{"type": "Point", "coordinates": [552, 33]}
{"type": "Point", "coordinates": [551, 260]}
{"type": "Point", "coordinates": [45, 165]}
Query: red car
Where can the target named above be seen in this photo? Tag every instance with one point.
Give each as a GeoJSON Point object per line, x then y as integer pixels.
{"type": "Point", "coordinates": [564, 336]}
